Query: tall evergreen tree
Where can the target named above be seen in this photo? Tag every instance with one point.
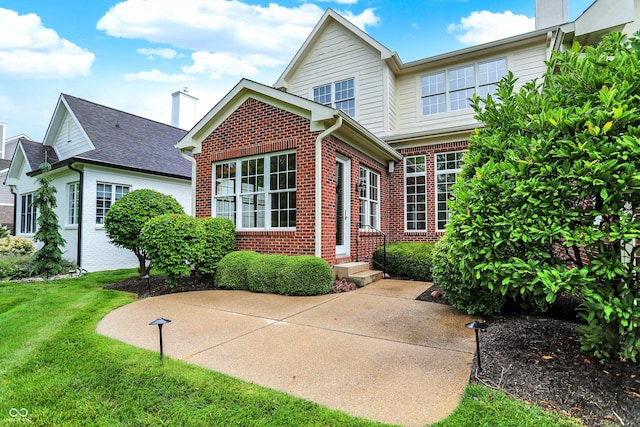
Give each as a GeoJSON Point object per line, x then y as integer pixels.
{"type": "Point", "coordinates": [48, 259]}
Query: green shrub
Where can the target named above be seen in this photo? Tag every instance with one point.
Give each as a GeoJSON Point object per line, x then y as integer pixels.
{"type": "Point", "coordinates": [126, 217]}
{"type": "Point", "coordinates": [15, 267]}
{"type": "Point", "coordinates": [16, 246]}
{"type": "Point", "coordinates": [231, 272]}
{"type": "Point", "coordinates": [280, 274]}
{"type": "Point", "coordinates": [408, 259]}
{"type": "Point", "coordinates": [174, 243]}
{"type": "Point", "coordinates": [461, 295]}
{"type": "Point", "coordinates": [219, 240]}
{"type": "Point", "coordinates": [305, 275]}
{"type": "Point", "coordinates": [263, 272]}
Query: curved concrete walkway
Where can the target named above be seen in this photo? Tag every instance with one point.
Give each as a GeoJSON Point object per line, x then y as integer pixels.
{"type": "Point", "coordinates": [374, 353]}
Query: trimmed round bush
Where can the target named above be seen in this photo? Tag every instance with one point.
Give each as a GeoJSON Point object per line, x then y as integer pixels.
{"type": "Point", "coordinates": [408, 259]}
{"type": "Point", "coordinates": [276, 274]}
{"type": "Point", "coordinates": [231, 271]}
{"type": "Point", "coordinates": [305, 275]}
{"type": "Point", "coordinates": [219, 240]}
{"type": "Point", "coordinates": [461, 295]}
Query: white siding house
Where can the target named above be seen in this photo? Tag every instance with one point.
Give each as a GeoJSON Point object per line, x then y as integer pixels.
{"type": "Point", "coordinates": [97, 155]}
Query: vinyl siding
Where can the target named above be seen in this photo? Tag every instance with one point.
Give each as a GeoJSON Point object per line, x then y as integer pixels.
{"type": "Point", "coordinates": [340, 55]}
{"type": "Point", "coordinates": [526, 63]}
{"type": "Point", "coordinates": [70, 140]}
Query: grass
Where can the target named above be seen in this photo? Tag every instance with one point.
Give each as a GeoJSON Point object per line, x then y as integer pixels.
{"type": "Point", "coordinates": [54, 364]}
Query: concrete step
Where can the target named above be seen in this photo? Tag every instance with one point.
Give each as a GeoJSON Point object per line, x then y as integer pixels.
{"type": "Point", "coordinates": [363, 278]}
{"type": "Point", "coordinates": [347, 269]}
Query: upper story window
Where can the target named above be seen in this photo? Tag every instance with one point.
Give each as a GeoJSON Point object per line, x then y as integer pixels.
{"type": "Point", "coordinates": [27, 214]}
{"type": "Point", "coordinates": [73, 196]}
{"type": "Point", "coordinates": [448, 165]}
{"type": "Point", "coordinates": [451, 90]}
{"type": "Point", "coordinates": [338, 95]}
{"type": "Point", "coordinates": [258, 192]}
{"type": "Point", "coordinates": [106, 195]}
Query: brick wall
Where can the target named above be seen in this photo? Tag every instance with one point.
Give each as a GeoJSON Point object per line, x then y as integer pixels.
{"type": "Point", "coordinates": [258, 128]}
{"type": "Point", "coordinates": [396, 230]}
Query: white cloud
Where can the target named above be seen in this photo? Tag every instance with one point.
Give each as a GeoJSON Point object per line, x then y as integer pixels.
{"type": "Point", "coordinates": [161, 52]}
{"type": "Point", "coordinates": [29, 50]}
{"type": "Point", "coordinates": [367, 17]}
{"type": "Point", "coordinates": [217, 65]}
{"type": "Point", "coordinates": [157, 76]}
{"type": "Point", "coordinates": [231, 28]}
{"type": "Point", "coordinates": [485, 26]}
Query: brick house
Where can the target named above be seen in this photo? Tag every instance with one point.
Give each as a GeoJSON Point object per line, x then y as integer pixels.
{"type": "Point", "coordinates": [352, 141]}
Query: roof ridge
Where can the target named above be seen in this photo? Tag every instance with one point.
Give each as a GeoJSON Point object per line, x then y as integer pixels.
{"type": "Point", "coordinates": [66, 95]}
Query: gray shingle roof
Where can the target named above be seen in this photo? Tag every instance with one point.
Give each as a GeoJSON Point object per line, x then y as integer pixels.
{"type": "Point", "coordinates": [128, 141]}
{"type": "Point", "coordinates": [34, 151]}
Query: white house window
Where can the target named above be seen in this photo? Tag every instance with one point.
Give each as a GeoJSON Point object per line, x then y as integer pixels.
{"type": "Point", "coordinates": [322, 95]}
{"type": "Point", "coordinates": [434, 94]}
{"type": "Point", "coordinates": [415, 168]}
{"type": "Point", "coordinates": [338, 95]}
{"type": "Point", "coordinates": [266, 196]}
{"type": "Point", "coordinates": [448, 165]}
{"type": "Point", "coordinates": [369, 199]}
{"type": "Point", "coordinates": [73, 196]}
{"type": "Point", "coordinates": [27, 214]}
{"type": "Point", "coordinates": [451, 91]}
{"type": "Point", "coordinates": [106, 195]}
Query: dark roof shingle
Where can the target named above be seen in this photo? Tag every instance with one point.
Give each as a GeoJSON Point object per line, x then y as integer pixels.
{"type": "Point", "coordinates": [128, 141]}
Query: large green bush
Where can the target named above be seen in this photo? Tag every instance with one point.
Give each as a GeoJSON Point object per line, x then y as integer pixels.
{"type": "Point", "coordinates": [269, 273]}
{"type": "Point", "coordinates": [219, 239]}
{"type": "Point", "coordinates": [407, 259]}
{"type": "Point", "coordinates": [174, 243]}
{"type": "Point", "coordinates": [460, 293]}
{"type": "Point", "coordinates": [15, 267]}
{"type": "Point", "coordinates": [548, 196]}
{"type": "Point", "coordinates": [231, 271]}
{"type": "Point", "coordinates": [126, 217]}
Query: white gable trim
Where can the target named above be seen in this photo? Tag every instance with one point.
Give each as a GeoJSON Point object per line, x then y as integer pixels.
{"type": "Point", "coordinates": [56, 124]}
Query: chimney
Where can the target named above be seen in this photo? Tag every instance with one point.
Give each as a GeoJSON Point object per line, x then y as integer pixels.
{"type": "Point", "coordinates": [3, 128]}
{"type": "Point", "coordinates": [551, 13]}
{"type": "Point", "coordinates": [183, 109]}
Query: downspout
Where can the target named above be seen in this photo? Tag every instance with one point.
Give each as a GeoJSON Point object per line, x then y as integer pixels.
{"type": "Point", "coordinates": [80, 199]}
{"type": "Point", "coordinates": [15, 209]}
{"type": "Point", "coordinates": [193, 180]}
{"type": "Point", "coordinates": [318, 204]}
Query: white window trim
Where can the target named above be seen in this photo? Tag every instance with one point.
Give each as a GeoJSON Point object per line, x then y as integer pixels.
{"type": "Point", "coordinates": [76, 202]}
{"type": "Point", "coordinates": [426, 210]}
{"type": "Point", "coordinates": [448, 91]}
{"type": "Point", "coordinates": [267, 191]}
{"type": "Point", "coordinates": [366, 201]}
{"type": "Point", "coordinates": [113, 199]}
{"type": "Point", "coordinates": [332, 86]}
{"type": "Point", "coordinates": [32, 210]}
{"type": "Point", "coordinates": [435, 183]}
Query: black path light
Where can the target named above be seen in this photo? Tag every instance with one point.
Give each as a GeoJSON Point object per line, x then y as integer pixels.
{"type": "Point", "coordinates": [160, 321]}
{"type": "Point", "coordinates": [147, 278]}
{"type": "Point", "coordinates": [476, 326]}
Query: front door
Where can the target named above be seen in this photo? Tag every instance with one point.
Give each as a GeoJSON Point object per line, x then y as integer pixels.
{"type": "Point", "coordinates": [343, 205]}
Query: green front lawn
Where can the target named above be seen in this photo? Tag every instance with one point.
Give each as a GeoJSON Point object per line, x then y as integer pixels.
{"type": "Point", "coordinates": [54, 364]}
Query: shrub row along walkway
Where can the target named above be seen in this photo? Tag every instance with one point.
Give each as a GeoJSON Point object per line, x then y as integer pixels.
{"type": "Point", "coordinates": [374, 352]}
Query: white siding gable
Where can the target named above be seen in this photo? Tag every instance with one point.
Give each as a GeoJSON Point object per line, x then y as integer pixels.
{"type": "Point", "coordinates": [337, 55]}
{"type": "Point", "coordinates": [70, 140]}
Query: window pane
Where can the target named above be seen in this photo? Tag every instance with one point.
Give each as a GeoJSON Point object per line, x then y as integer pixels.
{"type": "Point", "coordinates": [448, 165]}
{"type": "Point", "coordinates": [322, 94]}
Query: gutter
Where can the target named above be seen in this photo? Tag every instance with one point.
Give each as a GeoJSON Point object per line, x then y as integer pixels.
{"type": "Point", "coordinates": [80, 214]}
{"type": "Point", "coordinates": [318, 192]}
{"type": "Point", "coordinates": [15, 209]}
{"type": "Point", "coordinates": [193, 180]}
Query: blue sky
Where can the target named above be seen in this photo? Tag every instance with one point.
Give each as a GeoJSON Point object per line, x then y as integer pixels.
{"type": "Point", "coordinates": [132, 54]}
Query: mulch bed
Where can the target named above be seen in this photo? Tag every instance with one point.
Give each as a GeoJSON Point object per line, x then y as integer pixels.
{"type": "Point", "coordinates": [535, 358]}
